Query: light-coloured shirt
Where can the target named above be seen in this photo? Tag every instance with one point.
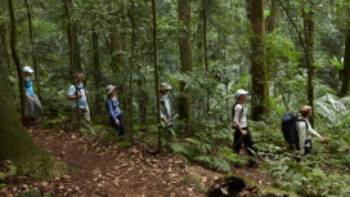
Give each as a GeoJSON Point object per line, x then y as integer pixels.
{"type": "Point", "coordinates": [305, 132]}
{"type": "Point", "coordinates": [165, 111]}
{"type": "Point", "coordinates": [28, 87]}
{"type": "Point", "coordinates": [240, 118]}
{"type": "Point", "coordinates": [81, 101]}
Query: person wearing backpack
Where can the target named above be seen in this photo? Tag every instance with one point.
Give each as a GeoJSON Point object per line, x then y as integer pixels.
{"type": "Point", "coordinates": [305, 131]}
{"type": "Point", "coordinates": [33, 109]}
{"type": "Point", "coordinates": [242, 133]}
{"type": "Point", "coordinates": [77, 94]}
{"type": "Point", "coordinates": [113, 109]}
{"type": "Point", "coordinates": [165, 104]}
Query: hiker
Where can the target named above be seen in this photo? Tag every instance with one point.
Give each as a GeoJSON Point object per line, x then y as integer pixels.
{"type": "Point", "coordinates": [165, 104]}
{"type": "Point", "coordinates": [305, 130]}
{"type": "Point", "coordinates": [77, 95]}
{"type": "Point", "coordinates": [33, 109]}
{"type": "Point", "coordinates": [242, 134]}
{"type": "Point", "coordinates": [113, 109]}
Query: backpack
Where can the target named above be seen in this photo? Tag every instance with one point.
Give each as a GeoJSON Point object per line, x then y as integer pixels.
{"type": "Point", "coordinates": [290, 128]}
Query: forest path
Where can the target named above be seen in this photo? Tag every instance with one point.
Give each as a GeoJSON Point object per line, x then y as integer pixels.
{"type": "Point", "coordinates": [108, 170]}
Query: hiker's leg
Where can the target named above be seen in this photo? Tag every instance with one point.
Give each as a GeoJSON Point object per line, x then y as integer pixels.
{"type": "Point", "coordinates": [308, 146]}
{"type": "Point", "coordinates": [86, 114]}
{"type": "Point", "coordinates": [248, 142]}
{"type": "Point", "coordinates": [121, 127]}
{"type": "Point", "coordinates": [38, 109]}
{"type": "Point", "coordinates": [237, 141]}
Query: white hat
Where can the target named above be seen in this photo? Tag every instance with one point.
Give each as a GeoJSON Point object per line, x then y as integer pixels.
{"type": "Point", "coordinates": [28, 69]}
{"type": "Point", "coordinates": [110, 89]}
{"type": "Point", "coordinates": [241, 92]}
{"type": "Point", "coordinates": [165, 86]}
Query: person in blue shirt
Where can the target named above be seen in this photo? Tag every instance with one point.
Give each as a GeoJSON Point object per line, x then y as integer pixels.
{"type": "Point", "coordinates": [113, 108]}
{"type": "Point", "coordinates": [33, 108]}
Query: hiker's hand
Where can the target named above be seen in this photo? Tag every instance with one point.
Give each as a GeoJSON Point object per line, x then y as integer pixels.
{"type": "Point", "coordinates": [324, 140]}
{"type": "Point", "coordinates": [244, 132]}
{"type": "Point", "coordinates": [79, 95]}
{"type": "Point", "coordinates": [117, 122]}
{"type": "Point", "coordinates": [30, 99]}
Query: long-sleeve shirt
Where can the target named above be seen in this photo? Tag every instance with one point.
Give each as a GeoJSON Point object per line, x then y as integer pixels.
{"type": "Point", "coordinates": [113, 108]}
{"type": "Point", "coordinates": [82, 101]}
{"type": "Point", "coordinates": [305, 132]}
{"type": "Point", "coordinates": [165, 107]}
{"type": "Point", "coordinates": [240, 116]}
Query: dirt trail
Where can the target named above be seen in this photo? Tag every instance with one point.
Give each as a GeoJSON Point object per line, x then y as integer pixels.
{"type": "Point", "coordinates": [107, 170]}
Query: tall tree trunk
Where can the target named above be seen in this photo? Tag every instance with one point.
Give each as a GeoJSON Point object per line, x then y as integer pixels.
{"type": "Point", "coordinates": [309, 31]}
{"type": "Point", "coordinates": [97, 69]}
{"type": "Point", "coordinates": [33, 50]}
{"type": "Point", "coordinates": [72, 38]}
{"type": "Point", "coordinates": [184, 14]}
{"type": "Point", "coordinates": [346, 71]}
{"type": "Point", "coordinates": [132, 62]}
{"type": "Point", "coordinates": [260, 96]}
{"type": "Point", "coordinates": [205, 47]}
{"type": "Point", "coordinates": [272, 19]}
{"type": "Point", "coordinates": [156, 72]}
{"type": "Point", "coordinates": [4, 54]}
{"type": "Point", "coordinates": [15, 57]}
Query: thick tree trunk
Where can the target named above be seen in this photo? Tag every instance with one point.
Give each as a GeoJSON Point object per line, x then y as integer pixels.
{"type": "Point", "coordinates": [72, 38]}
{"type": "Point", "coordinates": [260, 96]}
{"type": "Point", "coordinates": [156, 72]}
{"type": "Point", "coordinates": [4, 54]}
{"type": "Point", "coordinates": [346, 71]}
{"type": "Point", "coordinates": [33, 51]}
{"type": "Point", "coordinates": [97, 70]}
{"type": "Point", "coordinates": [309, 31]}
{"type": "Point", "coordinates": [184, 14]}
{"type": "Point", "coordinates": [15, 142]}
{"type": "Point", "coordinates": [15, 56]}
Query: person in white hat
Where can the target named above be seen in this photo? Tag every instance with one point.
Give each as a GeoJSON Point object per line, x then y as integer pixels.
{"type": "Point", "coordinates": [113, 108]}
{"type": "Point", "coordinates": [33, 109]}
{"type": "Point", "coordinates": [242, 134]}
{"type": "Point", "coordinates": [77, 95]}
{"type": "Point", "coordinates": [165, 104]}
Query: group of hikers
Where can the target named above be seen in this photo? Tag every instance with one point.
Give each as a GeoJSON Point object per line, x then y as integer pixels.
{"type": "Point", "coordinates": [297, 129]}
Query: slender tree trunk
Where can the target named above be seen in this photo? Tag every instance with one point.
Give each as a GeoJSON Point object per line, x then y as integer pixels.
{"type": "Point", "coordinates": [132, 62]}
{"type": "Point", "coordinates": [205, 47]}
{"type": "Point", "coordinates": [272, 19]}
{"type": "Point", "coordinates": [97, 69]}
{"type": "Point", "coordinates": [184, 14]}
{"type": "Point", "coordinates": [260, 96]}
{"type": "Point", "coordinates": [156, 72]}
{"type": "Point", "coordinates": [5, 56]}
{"type": "Point", "coordinates": [346, 72]}
{"type": "Point", "coordinates": [15, 57]}
{"type": "Point", "coordinates": [72, 38]}
{"type": "Point", "coordinates": [33, 50]}
{"type": "Point", "coordinates": [309, 31]}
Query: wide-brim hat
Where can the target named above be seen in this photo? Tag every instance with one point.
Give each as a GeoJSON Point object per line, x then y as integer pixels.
{"type": "Point", "coordinates": [28, 69]}
{"type": "Point", "coordinates": [165, 86]}
{"type": "Point", "coordinates": [241, 92]}
{"type": "Point", "coordinates": [110, 89]}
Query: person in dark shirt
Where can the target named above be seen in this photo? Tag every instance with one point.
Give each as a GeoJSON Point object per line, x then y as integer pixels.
{"type": "Point", "coordinates": [114, 112]}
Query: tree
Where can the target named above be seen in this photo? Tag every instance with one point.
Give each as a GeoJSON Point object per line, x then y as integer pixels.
{"type": "Point", "coordinates": [33, 50]}
{"type": "Point", "coordinates": [72, 38]}
{"type": "Point", "coordinates": [15, 142]}
{"type": "Point", "coordinates": [272, 19]}
{"type": "Point", "coordinates": [184, 15]}
{"type": "Point", "coordinates": [346, 71]}
{"type": "Point", "coordinates": [260, 96]}
{"type": "Point", "coordinates": [96, 68]}
{"type": "Point", "coordinates": [15, 57]}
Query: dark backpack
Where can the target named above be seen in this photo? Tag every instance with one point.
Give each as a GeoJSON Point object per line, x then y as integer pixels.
{"type": "Point", "coordinates": [290, 128]}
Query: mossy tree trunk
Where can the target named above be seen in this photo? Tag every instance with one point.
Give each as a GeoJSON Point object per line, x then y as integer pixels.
{"type": "Point", "coordinates": [184, 15]}
{"type": "Point", "coordinates": [260, 96]}
{"type": "Point", "coordinates": [346, 71]}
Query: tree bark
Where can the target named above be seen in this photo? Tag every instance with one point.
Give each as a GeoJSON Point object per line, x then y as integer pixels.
{"type": "Point", "coordinates": [272, 19]}
{"type": "Point", "coordinates": [97, 69]}
{"type": "Point", "coordinates": [309, 31]}
{"type": "Point", "coordinates": [156, 70]}
{"type": "Point", "coordinates": [346, 71]}
{"type": "Point", "coordinates": [72, 38]}
{"type": "Point", "coordinates": [260, 96]}
{"type": "Point", "coordinates": [184, 15]}
{"type": "Point", "coordinates": [13, 42]}
{"type": "Point", "coordinates": [132, 62]}
{"type": "Point", "coordinates": [33, 50]}
{"type": "Point", "coordinates": [4, 54]}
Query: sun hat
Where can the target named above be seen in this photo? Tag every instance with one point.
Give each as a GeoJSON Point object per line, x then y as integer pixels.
{"type": "Point", "coordinates": [165, 86]}
{"type": "Point", "coordinates": [110, 89]}
{"type": "Point", "coordinates": [241, 92]}
{"type": "Point", "coordinates": [28, 69]}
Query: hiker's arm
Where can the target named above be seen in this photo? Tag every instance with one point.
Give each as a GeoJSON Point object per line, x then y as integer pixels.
{"type": "Point", "coordinates": [302, 137]}
{"type": "Point", "coordinates": [72, 93]}
{"type": "Point", "coordinates": [315, 133]}
{"type": "Point", "coordinates": [110, 109]}
{"type": "Point", "coordinates": [236, 117]}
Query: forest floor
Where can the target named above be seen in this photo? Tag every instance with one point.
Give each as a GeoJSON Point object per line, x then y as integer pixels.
{"type": "Point", "coordinates": [96, 169]}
